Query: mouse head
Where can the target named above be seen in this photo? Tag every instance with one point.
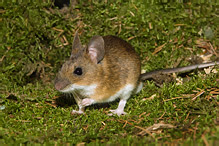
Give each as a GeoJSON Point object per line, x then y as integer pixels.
{"type": "Point", "coordinates": [81, 69]}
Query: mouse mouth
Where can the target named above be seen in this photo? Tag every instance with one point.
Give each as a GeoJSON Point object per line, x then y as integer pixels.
{"type": "Point", "coordinates": [61, 85]}
{"type": "Point", "coordinates": [84, 90]}
{"type": "Point", "coordinates": [68, 89]}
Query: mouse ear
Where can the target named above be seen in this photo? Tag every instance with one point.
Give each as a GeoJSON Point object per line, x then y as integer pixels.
{"type": "Point", "coordinates": [77, 48]}
{"type": "Point", "coordinates": [96, 49]}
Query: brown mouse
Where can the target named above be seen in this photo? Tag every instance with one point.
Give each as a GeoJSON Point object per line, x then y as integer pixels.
{"type": "Point", "coordinates": [107, 69]}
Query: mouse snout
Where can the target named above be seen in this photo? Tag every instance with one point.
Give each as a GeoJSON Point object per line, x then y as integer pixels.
{"type": "Point", "coordinates": [61, 83]}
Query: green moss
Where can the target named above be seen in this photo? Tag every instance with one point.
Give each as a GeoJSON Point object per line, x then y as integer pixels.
{"type": "Point", "coordinates": [36, 39]}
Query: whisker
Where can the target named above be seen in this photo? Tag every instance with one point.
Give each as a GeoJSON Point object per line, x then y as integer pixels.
{"type": "Point", "coordinates": [77, 97]}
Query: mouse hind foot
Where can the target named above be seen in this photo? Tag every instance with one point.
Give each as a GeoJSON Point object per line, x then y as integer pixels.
{"type": "Point", "coordinates": [120, 110]}
{"type": "Point", "coordinates": [125, 94]}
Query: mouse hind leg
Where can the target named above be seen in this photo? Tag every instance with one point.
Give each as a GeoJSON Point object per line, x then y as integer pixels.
{"type": "Point", "coordinates": [126, 92]}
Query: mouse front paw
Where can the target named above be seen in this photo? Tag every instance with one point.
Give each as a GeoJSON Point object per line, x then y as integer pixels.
{"type": "Point", "coordinates": [117, 112]}
{"type": "Point", "coordinates": [87, 102]}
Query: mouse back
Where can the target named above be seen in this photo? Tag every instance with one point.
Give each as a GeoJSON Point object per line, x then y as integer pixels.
{"type": "Point", "coordinates": [122, 59]}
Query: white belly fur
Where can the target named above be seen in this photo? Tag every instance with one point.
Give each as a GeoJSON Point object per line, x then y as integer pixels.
{"type": "Point", "coordinates": [123, 93]}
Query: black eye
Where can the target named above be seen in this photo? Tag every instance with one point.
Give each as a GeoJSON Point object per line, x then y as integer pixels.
{"type": "Point", "coordinates": [78, 71]}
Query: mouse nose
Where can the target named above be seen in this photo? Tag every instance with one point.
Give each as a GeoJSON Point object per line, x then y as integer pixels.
{"type": "Point", "coordinates": [61, 83]}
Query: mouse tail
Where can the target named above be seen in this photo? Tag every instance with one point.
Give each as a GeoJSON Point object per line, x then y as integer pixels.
{"type": "Point", "coordinates": [150, 75]}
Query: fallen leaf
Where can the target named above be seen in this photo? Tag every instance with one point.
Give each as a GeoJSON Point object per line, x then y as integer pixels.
{"type": "Point", "coordinates": [150, 98]}
{"type": "Point", "coordinates": [160, 126]}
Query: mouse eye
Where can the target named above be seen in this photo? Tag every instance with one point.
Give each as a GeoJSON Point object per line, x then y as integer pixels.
{"type": "Point", "coordinates": [78, 71]}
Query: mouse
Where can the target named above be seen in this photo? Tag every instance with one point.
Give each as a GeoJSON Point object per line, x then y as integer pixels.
{"type": "Point", "coordinates": [107, 69]}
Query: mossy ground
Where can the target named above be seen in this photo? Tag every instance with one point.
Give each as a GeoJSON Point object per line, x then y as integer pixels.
{"type": "Point", "coordinates": [36, 39]}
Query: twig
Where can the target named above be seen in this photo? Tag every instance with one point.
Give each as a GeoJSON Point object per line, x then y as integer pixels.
{"type": "Point", "coordinates": [132, 37]}
{"type": "Point", "coordinates": [187, 116]}
{"type": "Point", "coordinates": [179, 24]}
{"type": "Point", "coordinates": [205, 140]}
{"type": "Point", "coordinates": [198, 94]}
{"type": "Point", "coordinates": [51, 104]}
{"type": "Point", "coordinates": [142, 114]}
{"type": "Point", "coordinates": [195, 128]}
{"type": "Point", "coordinates": [143, 129]}
{"type": "Point", "coordinates": [5, 53]}
{"type": "Point", "coordinates": [125, 124]}
{"type": "Point", "coordinates": [120, 28]}
{"type": "Point", "coordinates": [158, 49]}
{"type": "Point", "coordinates": [161, 116]}
{"type": "Point", "coordinates": [59, 30]}
{"type": "Point", "coordinates": [132, 13]}
{"type": "Point", "coordinates": [214, 92]}
{"type": "Point", "coordinates": [175, 98]}
{"type": "Point", "coordinates": [24, 121]}
{"type": "Point", "coordinates": [212, 48]}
